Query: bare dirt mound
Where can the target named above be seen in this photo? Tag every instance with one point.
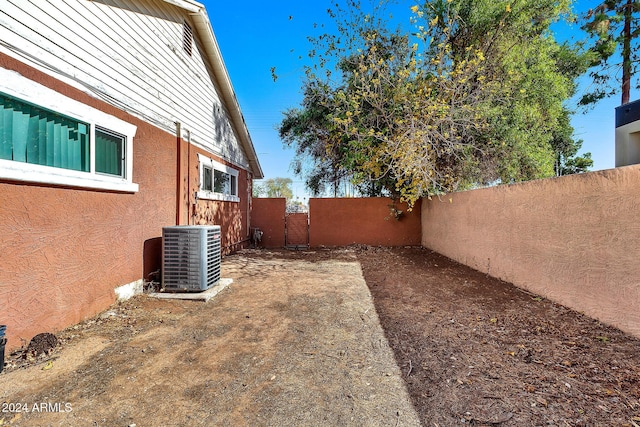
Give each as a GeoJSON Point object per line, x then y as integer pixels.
{"type": "Point", "coordinates": [477, 351]}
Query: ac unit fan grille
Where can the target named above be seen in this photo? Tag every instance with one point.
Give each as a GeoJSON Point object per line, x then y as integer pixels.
{"type": "Point", "coordinates": [191, 258]}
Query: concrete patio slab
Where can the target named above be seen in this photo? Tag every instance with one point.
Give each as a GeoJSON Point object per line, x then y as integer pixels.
{"type": "Point", "coordinates": [195, 296]}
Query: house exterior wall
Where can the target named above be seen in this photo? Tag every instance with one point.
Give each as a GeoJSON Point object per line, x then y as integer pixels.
{"type": "Point", "coordinates": [67, 247]}
{"type": "Point", "coordinates": [572, 239]}
{"type": "Point", "coordinates": [128, 53]}
{"type": "Point", "coordinates": [628, 144]}
{"type": "Point", "coordinates": [233, 217]}
{"type": "Point", "coordinates": [628, 134]}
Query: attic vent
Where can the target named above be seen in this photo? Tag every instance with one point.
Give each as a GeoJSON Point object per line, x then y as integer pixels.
{"type": "Point", "coordinates": [187, 38]}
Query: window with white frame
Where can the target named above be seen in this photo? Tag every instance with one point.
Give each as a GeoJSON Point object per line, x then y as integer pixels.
{"type": "Point", "coordinates": [49, 138]}
{"type": "Point", "coordinates": [217, 181]}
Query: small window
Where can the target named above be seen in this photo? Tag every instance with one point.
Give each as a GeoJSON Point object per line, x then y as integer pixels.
{"type": "Point", "coordinates": [110, 149]}
{"type": "Point", "coordinates": [221, 182]}
{"type": "Point", "coordinates": [187, 38]}
{"type": "Point", "coordinates": [217, 181]}
{"type": "Point", "coordinates": [234, 185]}
{"type": "Point", "coordinates": [207, 178]}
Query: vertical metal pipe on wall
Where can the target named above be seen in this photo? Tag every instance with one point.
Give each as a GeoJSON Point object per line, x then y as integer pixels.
{"type": "Point", "coordinates": [178, 169]}
{"type": "Point", "coordinates": [249, 202]}
{"type": "Point", "coordinates": [189, 212]}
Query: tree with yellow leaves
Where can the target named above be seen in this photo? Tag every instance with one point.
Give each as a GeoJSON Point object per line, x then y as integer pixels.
{"type": "Point", "coordinates": [471, 94]}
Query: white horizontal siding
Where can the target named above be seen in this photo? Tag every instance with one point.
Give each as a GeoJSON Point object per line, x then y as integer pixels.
{"type": "Point", "coordinates": [129, 54]}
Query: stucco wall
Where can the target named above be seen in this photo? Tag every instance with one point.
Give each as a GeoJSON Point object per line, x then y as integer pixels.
{"type": "Point", "coordinates": [572, 239]}
{"type": "Point", "coordinates": [268, 216]}
{"type": "Point", "coordinates": [340, 222]}
{"type": "Point", "coordinates": [345, 221]}
{"type": "Point", "coordinates": [64, 250]}
{"type": "Point", "coordinates": [232, 217]}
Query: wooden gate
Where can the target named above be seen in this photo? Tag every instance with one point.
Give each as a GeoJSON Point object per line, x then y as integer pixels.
{"type": "Point", "coordinates": [296, 230]}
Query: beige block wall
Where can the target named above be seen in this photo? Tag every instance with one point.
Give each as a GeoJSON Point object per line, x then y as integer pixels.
{"type": "Point", "coordinates": [573, 239]}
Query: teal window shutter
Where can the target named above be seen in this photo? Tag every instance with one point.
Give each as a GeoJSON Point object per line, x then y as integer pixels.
{"type": "Point", "coordinates": [31, 134]}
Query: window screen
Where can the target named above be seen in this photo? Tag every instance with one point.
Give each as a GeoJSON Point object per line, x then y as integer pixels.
{"type": "Point", "coordinates": [221, 182]}
{"type": "Point", "coordinates": [110, 149]}
{"type": "Point", "coordinates": [207, 178]}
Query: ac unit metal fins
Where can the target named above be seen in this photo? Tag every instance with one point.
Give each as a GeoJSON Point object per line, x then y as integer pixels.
{"type": "Point", "coordinates": [191, 257]}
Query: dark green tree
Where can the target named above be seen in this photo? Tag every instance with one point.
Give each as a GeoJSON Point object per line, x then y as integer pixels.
{"type": "Point", "coordinates": [309, 131]}
{"type": "Point", "coordinates": [613, 26]}
{"type": "Point", "coordinates": [566, 147]}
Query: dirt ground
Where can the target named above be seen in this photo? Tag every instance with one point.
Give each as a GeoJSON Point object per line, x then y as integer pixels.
{"type": "Point", "coordinates": [293, 341]}
{"type": "Point", "coordinates": [297, 340]}
{"type": "Point", "coordinates": [477, 351]}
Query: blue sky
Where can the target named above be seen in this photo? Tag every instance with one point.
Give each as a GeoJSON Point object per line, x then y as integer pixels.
{"type": "Point", "coordinates": [257, 35]}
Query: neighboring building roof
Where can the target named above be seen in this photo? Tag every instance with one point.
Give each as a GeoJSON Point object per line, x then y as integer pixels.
{"type": "Point", "coordinates": [628, 113]}
{"type": "Point", "coordinates": [221, 76]}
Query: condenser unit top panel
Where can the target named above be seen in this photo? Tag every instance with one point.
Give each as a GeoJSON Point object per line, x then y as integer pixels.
{"type": "Point", "coordinates": [191, 227]}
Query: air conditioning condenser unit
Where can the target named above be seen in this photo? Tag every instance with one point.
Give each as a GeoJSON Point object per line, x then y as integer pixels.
{"type": "Point", "coordinates": [191, 257]}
